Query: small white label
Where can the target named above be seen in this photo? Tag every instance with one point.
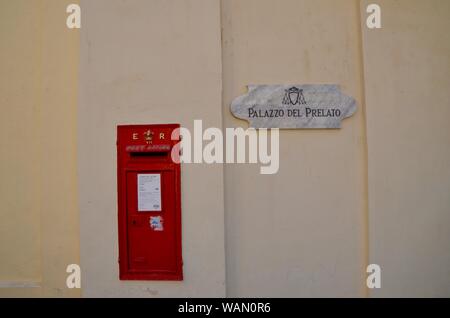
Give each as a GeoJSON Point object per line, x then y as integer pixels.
{"type": "Point", "coordinates": [149, 192]}
{"type": "Point", "coordinates": [156, 223]}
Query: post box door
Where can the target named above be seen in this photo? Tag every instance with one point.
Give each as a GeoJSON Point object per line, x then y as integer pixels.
{"type": "Point", "coordinates": [151, 229]}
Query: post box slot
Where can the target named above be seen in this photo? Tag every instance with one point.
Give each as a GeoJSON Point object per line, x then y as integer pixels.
{"type": "Point", "coordinates": [148, 154]}
{"type": "Point", "coordinates": [159, 156]}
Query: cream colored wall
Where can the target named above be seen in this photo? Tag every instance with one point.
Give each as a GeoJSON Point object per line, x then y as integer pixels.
{"type": "Point", "coordinates": [149, 62]}
{"type": "Point", "coordinates": [38, 86]}
{"type": "Point", "coordinates": [302, 231]}
{"type": "Point", "coordinates": [407, 73]}
{"type": "Point", "coordinates": [341, 199]}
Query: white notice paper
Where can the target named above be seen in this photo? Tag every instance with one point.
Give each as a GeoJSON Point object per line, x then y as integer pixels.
{"type": "Point", "coordinates": [149, 192]}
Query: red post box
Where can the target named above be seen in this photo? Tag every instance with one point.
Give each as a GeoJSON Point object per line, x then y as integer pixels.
{"type": "Point", "coordinates": [149, 203]}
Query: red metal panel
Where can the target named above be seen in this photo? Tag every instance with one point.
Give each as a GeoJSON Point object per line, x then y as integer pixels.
{"type": "Point", "coordinates": [149, 240]}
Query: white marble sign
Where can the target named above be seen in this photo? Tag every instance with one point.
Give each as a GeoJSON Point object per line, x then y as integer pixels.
{"type": "Point", "coordinates": [294, 106]}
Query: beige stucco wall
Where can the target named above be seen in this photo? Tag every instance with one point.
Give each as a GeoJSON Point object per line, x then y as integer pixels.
{"type": "Point", "coordinates": [38, 186]}
{"type": "Point", "coordinates": [407, 73]}
{"type": "Point", "coordinates": [149, 62]}
{"type": "Point", "coordinates": [300, 232]}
